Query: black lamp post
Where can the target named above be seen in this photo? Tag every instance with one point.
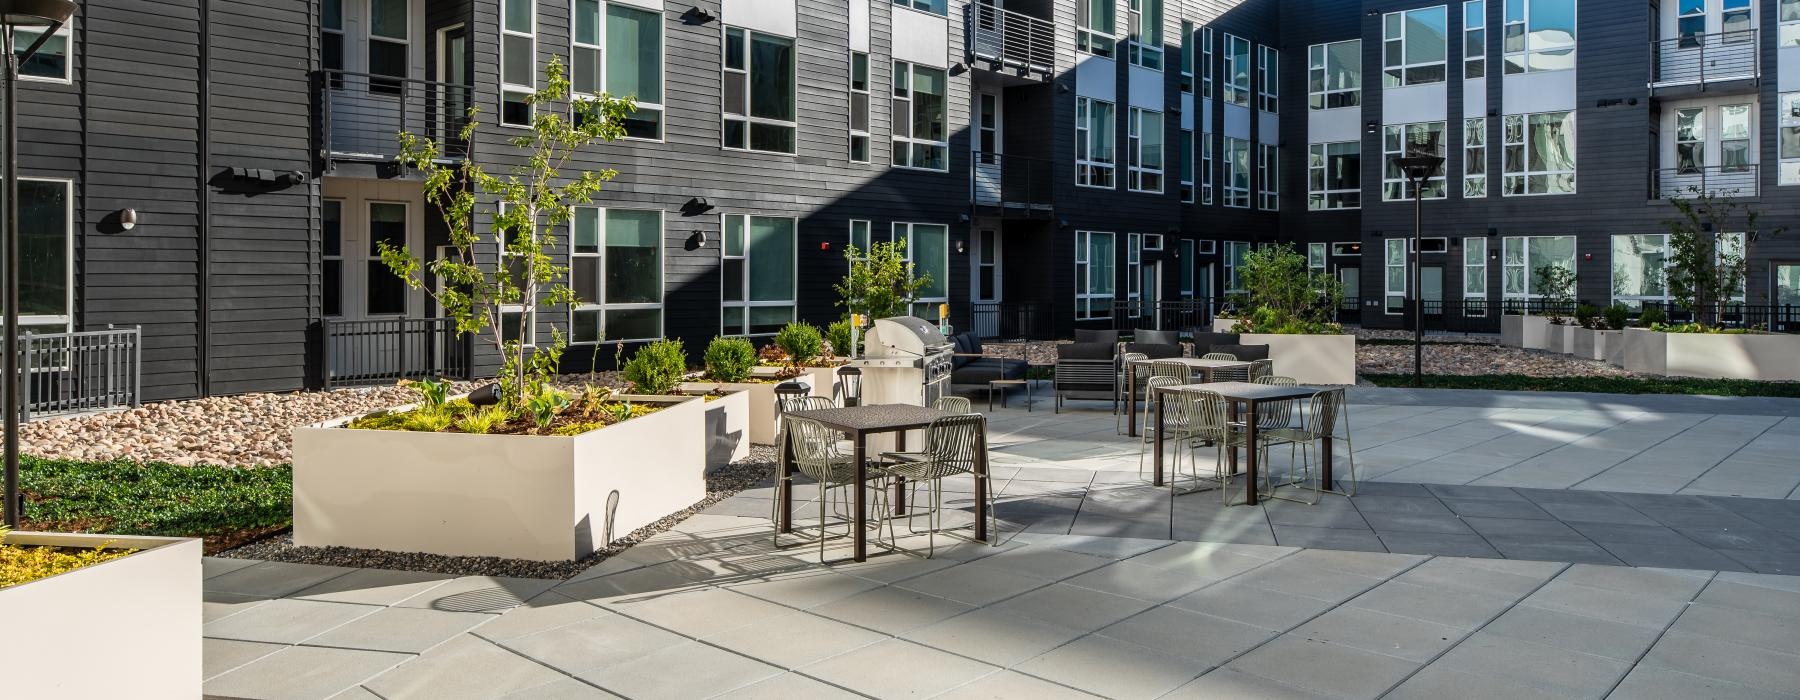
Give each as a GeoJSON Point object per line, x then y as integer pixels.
{"type": "Point", "coordinates": [1419, 167]}
{"type": "Point", "coordinates": [49, 14]}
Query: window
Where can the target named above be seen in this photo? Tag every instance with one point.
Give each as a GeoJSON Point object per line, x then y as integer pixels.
{"type": "Point", "coordinates": [1539, 35]}
{"type": "Point", "coordinates": [1394, 281]}
{"type": "Point", "coordinates": [1789, 15]}
{"type": "Point", "coordinates": [1237, 181]}
{"type": "Point", "coordinates": [758, 274]}
{"type": "Point", "coordinates": [1690, 22]}
{"type": "Point", "coordinates": [1475, 158]}
{"type": "Point", "coordinates": [1538, 154]}
{"type": "Point", "coordinates": [1334, 75]}
{"type": "Point", "coordinates": [1789, 133]}
{"type": "Point", "coordinates": [386, 291]}
{"type": "Point", "coordinates": [1474, 39]}
{"type": "Point", "coordinates": [1787, 285]}
{"type": "Point", "coordinates": [921, 124]}
{"type": "Point", "coordinates": [859, 238]}
{"type": "Point", "coordinates": [1401, 140]}
{"type": "Point", "coordinates": [1093, 143]}
{"type": "Point", "coordinates": [1185, 145]}
{"type": "Point", "coordinates": [928, 252]}
{"type": "Point", "coordinates": [618, 51]}
{"type": "Point", "coordinates": [1475, 276]}
{"type": "Point", "coordinates": [1186, 265]}
{"type": "Point", "coordinates": [1734, 137]}
{"type": "Point", "coordinates": [1315, 257]}
{"type": "Point", "coordinates": [1268, 170]}
{"type": "Point", "coordinates": [1639, 268]}
{"type": "Point", "coordinates": [759, 91]}
{"type": "Point", "coordinates": [1734, 21]}
{"type": "Point", "coordinates": [1235, 254]}
{"type": "Point", "coordinates": [518, 61]}
{"type": "Point", "coordinates": [1412, 46]}
{"type": "Point", "coordinates": [1347, 250]}
{"type": "Point", "coordinates": [1188, 51]}
{"type": "Point", "coordinates": [46, 247]}
{"type": "Point", "coordinates": [616, 270]}
{"type": "Point", "coordinates": [1094, 30]}
{"type": "Point", "coordinates": [1334, 175]}
{"type": "Point", "coordinates": [331, 42]}
{"type": "Point", "coordinates": [1093, 274]}
{"type": "Point", "coordinates": [1206, 169]}
{"type": "Point", "coordinates": [1206, 61]}
{"type": "Point", "coordinates": [1146, 48]}
{"type": "Point", "coordinates": [1690, 139]}
{"type": "Point", "coordinates": [388, 43]}
{"type": "Point", "coordinates": [859, 107]}
{"type": "Point", "coordinates": [936, 7]}
{"type": "Point", "coordinates": [1522, 256]}
{"type": "Point", "coordinates": [1144, 148]}
{"type": "Point", "coordinates": [1268, 83]}
{"type": "Point", "coordinates": [331, 235]}
{"type": "Point", "coordinates": [51, 62]}
{"type": "Point", "coordinates": [1134, 265]}
{"type": "Point", "coordinates": [1237, 71]}
{"type": "Point", "coordinates": [517, 323]}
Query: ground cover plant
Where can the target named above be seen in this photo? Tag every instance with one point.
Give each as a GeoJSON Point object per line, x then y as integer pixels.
{"type": "Point", "coordinates": [25, 563]}
{"type": "Point", "coordinates": [225, 506]}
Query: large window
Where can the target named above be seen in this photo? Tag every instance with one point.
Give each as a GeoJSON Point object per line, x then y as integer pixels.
{"type": "Point", "coordinates": [1188, 51]}
{"type": "Point", "coordinates": [1522, 256]}
{"type": "Point", "coordinates": [757, 274]}
{"type": "Point", "coordinates": [1236, 252]}
{"type": "Point", "coordinates": [1144, 148]}
{"type": "Point", "coordinates": [1268, 83]}
{"type": "Point", "coordinates": [1475, 39]}
{"type": "Point", "coordinates": [1539, 35]}
{"type": "Point", "coordinates": [936, 7]}
{"type": "Point", "coordinates": [1093, 274]}
{"type": "Point", "coordinates": [1735, 129]}
{"type": "Point", "coordinates": [1690, 139]}
{"type": "Point", "coordinates": [331, 256]}
{"type": "Point", "coordinates": [51, 62]}
{"type": "Point", "coordinates": [1268, 172]}
{"type": "Point", "coordinates": [518, 60]}
{"type": "Point", "coordinates": [616, 270]}
{"type": "Point", "coordinates": [1146, 48]}
{"type": "Point", "coordinates": [1186, 147]}
{"type": "Point", "coordinates": [1475, 158]}
{"type": "Point", "coordinates": [1475, 276]}
{"type": "Point", "coordinates": [1401, 140]}
{"type": "Point", "coordinates": [1206, 62]}
{"type": "Point", "coordinates": [618, 51]}
{"type": "Point", "coordinates": [331, 41]}
{"type": "Point", "coordinates": [389, 40]}
{"type": "Point", "coordinates": [1094, 135]}
{"type": "Point", "coordinates": [1237, 179]}
{"type": "Point", "coordinates": [1789, 16]}
{"type": "Point", "coordinates": [1237, 71]}
{"type": "Point", "coordinates": [759, 91]}
{"type": "Point", "coordinates": [859, 107]}
{"type": "Point", "coordinates": [1789, 134]}
{"type": "Point", "coordinates": [1095, 27]}
{"type": "Point", "coordinates": [46, 270]}
{"type": "Point", "coordinates": [928, 251]}
{"type": "Point", "coordinates": [1394, 281]}
{"type": "Point", "coordinates": [1334, 74]}
{"type": "Point", "coordinates": [1639, 268]}
{"type": "Point", "coordinates": [1413, 47]}
{"type": "Point", "coordinates": [386, 291]}
{"type": "Point", "coordinates": [1787, 284]}
{"type": "Point", "coordinates": [1334, 175]}
{"type": "Point", "coordinates": [921, 124]}
{"type": "Point", "coordinates": [1207, 168]}
{"type": "Point", "coordinates": [1538, 154]}
{"type": "Point", "coordinates": [1185, 268]}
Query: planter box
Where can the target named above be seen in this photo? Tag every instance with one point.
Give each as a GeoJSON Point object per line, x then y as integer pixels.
{"type": "Point", "coordinates": [1224, 325]}
{"type": "Point", "coordinates": [126, 628]}
{"type": "Point", "coordinates": [1591, 344]}
{"type": "Point", "coordinates": [1557, 337]}
{"type": "Point", "coordinates": [1310, 359]}
{"type": "Point", "coordinates": [759, 398]}
{"type": "Point", "coordinates": [1523, 331]}
{"type": "Point", "coordinates": [540, 497]}
{"type": "Point", "coordinates": [1760, 356]}
{"type": "Point", "coordinates": [727, 432]}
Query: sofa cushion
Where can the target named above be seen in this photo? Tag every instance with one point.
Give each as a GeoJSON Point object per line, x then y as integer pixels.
{"type": "Point", "coordinates": [1085, 336]}
{"type": "Point", "coordinates": [1085, 351]}
{"type": "Point", "coordinates": [982, 370]}
{"type": "Point", "coordinates": [963, 344]}
{"type": "Point", "coordinates": [1155, 352]}
{"type": "Point", "coordinates": [1154, 338]}
{"type": "Point", "coordinates": [1247, 353]}
{"type": "Point", "coordinates": [1205, 341]}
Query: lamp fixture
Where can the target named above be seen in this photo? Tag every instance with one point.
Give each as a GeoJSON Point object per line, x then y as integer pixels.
{"type": "Point", "coordinates": [697, 15]}
{"type": "Point", "coordinates": [696, 206]}
{"type": "Point", "coordinates": [127, 219]}
{"type": "Point", "coordinates": [696, 240]}
{"type": "Point", "coordinates": [961, 247]}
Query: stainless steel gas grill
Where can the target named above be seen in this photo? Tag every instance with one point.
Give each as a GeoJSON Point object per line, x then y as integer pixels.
{"type": "Point", "coordinates": [905, 360]}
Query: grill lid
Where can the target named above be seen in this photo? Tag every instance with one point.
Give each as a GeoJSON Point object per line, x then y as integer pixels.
{"type": "Point", "coordinates": [904, 336]}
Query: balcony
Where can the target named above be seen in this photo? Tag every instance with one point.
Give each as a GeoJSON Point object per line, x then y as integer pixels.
{"type": "Point", "coordinates": [363, 113]}
{"type": "Point", "coordinates": [1009, 43]}
{"type": "Point", "coordinates": [1715, 180]}
{"type": "Point", "coordinates": [1703, 62]}
{"type": "Point", "coordinates": [1010, 185]}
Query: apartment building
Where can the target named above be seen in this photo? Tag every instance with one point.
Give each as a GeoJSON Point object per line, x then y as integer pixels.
{"type": "Point", "coordinates": [1051, 164]}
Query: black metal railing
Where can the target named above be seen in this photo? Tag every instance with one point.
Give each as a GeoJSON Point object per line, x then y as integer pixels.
{"type": "Point", "coordinates": [1697, 59]}
{"type": "Point", "coordinates": [1776, 318]}
{"type": "Point", "coordinates": [1349, 310]}
{"type": "Point", "coordinates": [1014, 184]}
{"type": "Point", "coordinates": [363, 113]}
{"type": "Point", "coordinates": [1180, 315]}
{"type": "Point", "coordinates": [81, 371]}
{"type": "Point", "coordinates": [1715, 180]}
{"type": "Point", "coordinates": [1005, 320]}
{"type": "Point", "coordinates": [1005, 40]}
{"type": "Point", "coordinates": [383, 351]}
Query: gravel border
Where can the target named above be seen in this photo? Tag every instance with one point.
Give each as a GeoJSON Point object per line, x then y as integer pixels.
{"type": "Point", "coordinates": [720, 485]}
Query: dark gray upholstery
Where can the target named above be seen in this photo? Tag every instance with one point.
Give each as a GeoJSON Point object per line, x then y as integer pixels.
{"type": "Point", "coordinates": [1108, 337]}
{"type": "Point", "coordinates": [1246, 353]}
{"type": "Point", "coordinates": [1156, 352]}
{"type": "Point", "coordinates": [968, 369]}
{"type": "Point", "coordinates": [1085, 351]}
{"type": "Point", "coordinates": [1086, 371]}
{"type": "Point", "coordinates": [964, 344]}
{"type": "Point", "coordinates": [1154, 338]}
{"type": "Point", "coordinates": [1205, 341]}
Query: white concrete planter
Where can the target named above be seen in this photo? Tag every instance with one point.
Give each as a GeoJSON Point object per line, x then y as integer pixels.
{"type": "Point", "coordinates": [1224, 325]}
{"type": "Point", "coordinates": [760, 400]}
{"type": "Point", "coordinates": [540, 497]}
{"type": "Point", "coordinates": [1760, 356]}
{"type": "Point", "coordinates": [727, 431]}
{"type": "Point", "coordinates": [1591, 344]}
{"type": "Point", "coordinates": [1310, 359]}
{"type": "Point", "coordinates": [1557, 337]}
{"type": "Point", "coordinates": [126, 628]}
{"type": "Point", "coordinates": [1523, 331]}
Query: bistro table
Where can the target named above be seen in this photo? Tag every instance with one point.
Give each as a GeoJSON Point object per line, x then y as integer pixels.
{"type": "Point", "coordinates": [859, 422]}
{"type": "Point", "coordinates": [1247, 397]}
{"type": "Point", "coordinates": [1204, 367]}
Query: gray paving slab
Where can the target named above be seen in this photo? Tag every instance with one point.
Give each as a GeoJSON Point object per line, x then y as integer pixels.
{"type": "Point", "coordinates": [303, 673]}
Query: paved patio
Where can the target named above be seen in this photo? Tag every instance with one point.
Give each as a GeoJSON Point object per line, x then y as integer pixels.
{"type": "Point", "coordinates": [1116, 609]}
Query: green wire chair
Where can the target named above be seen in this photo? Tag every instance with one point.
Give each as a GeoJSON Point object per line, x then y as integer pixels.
{"type": "Point", "coordinates": [1148, 431]}
{"type": "Point", "coordinates": [952, 444]}
{"type": "Point", "coordinates": [786, 481]}
{"type": "Point", "coordinates": [954, 404]}
{"type": "Point", "coordinates": [817, 456]}
{"type": "Point", "coordinates": [1125, 393]}
{"type": "Point", "coordinates": [1319, 422]}
{"type": "Point", "coordinates": [1227, 374]}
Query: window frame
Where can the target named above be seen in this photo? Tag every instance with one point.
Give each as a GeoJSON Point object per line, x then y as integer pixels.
{"type": "Point", "coordinates": [1207, 166]}
{"type": "Point", "coordinates": [1237, 84]}
{"type": "Point", "coordinates": [66, 319]}
{"type": "Point", "coordinates": [1237, 196]}
{"type": "Point", "coordinates": [603, 306]}
{"type": "Point", "coordinates": [1474, 258]}
{"type": "Point", "coordinates": [1787, 134]}
{"type": "Point", "coordinates": [1318, 257]}
{"type": "Point", "coordinates": [662, 66]}
{"type": "Point", "coordinates": [1389, 293]}
{"type": "Point", "coordinates": [1206, 62]}
{"type": "Point", "coordinates": [793, 300]}
{"type": "Point", "coordinates": [1149, 55]}
{"type": "Point", "coordinates": [1526, 52]}
{"type": "Point", "coordinates": [1530, 273]}
{"type": "Point", "coordinates": [864, 97]}
{"type": "Point", "coordinates": [1405, 67]}
{"type": "Point", "coordinates": [1787, 18]}
{"type": "Point", "coordinates": [747, 71]}
{"type": "Point", "coordinates": [1475, 159]}
{"type": "Point", "coordinates": [507, 88]}
{"type": "Point", "coordinates": [1268, 173]}
{"type": "Point", "coordinates": [1320, 196]}
{"type": "Point", "coordinates": [1230, 260]}
{"type": "Point", "coordinates": [1525, 146]}
{"type": "Point", "coordinates": [927, 6]}
{"type": "Point", "coordinates": [1184, 144]}
{"type": "Point", "coordinates": [1087, 167]}
{"type": "Point", "coordinates": [1086, 275]}
{"type": "Point", "coordinates": [1188, 56]}
{"type": "Point", "coordinates": [1268, 83]}
{"type": "Point", "coordinates": [1388, 169]}
{"type": "Point", "coordinates": [1102, 41]}
{"type": "Point", "coordinates": [1138, 171]}
{"type": "Point", "coordinates": [1319, 93]}
{"type": "Point", "coordinates": [911, 141]}
{"type": "Point", "coordinates": [385, 84]}
{"type": "Point", "coordinates": [912, 263]}
{"type": "Point", "coordinates": [67, 32]}
{"type": "Point", "coordinates": [1474, 36]}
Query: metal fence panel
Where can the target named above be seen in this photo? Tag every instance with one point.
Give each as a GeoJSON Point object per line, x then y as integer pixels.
{"type": "Point", "coordinates": [383, 351]}
{"type": "Point", "coordinates": [80, 371]}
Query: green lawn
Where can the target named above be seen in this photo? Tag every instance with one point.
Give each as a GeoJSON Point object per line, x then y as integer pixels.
{"type": "Point", "coordinates": [223, 505]}
{"type": "Point", "coordinates": [1599, 385]}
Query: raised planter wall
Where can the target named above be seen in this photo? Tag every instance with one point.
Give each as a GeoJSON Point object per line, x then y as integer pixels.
{"type": "Point", "coordinates": [1591, 344]}
{"type": "Point", "coordinates": [727, 431]}
{"type": "Point", "coordinates": [1310, 359]}
{"type": "Point", "coordinates": [1759, 356]}
{"type": "Point", "coordinates": [126, 628]}
{"type": "Point", "coordinates": [538, 497]}
{"type": "Point", "coordinates": [1557, 337]}
{"type": "Point", "coordinates": [1523, 331]}
{"type": "Point", "coordinates": [759, 398]}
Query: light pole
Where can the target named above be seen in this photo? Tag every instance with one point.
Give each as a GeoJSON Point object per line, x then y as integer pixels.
{"type": "Point", "coordinates": [49, 14]}
{"type": "Point", "coordinates": [1419, 167]}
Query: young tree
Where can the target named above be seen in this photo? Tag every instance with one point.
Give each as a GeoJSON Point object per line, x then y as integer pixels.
{"type": "Point", "coordinates": [1707, 259]}
{"type": "Point", "coordinates": [1285, 296]}
{"type": "Point", "coordinates": [511, 265]}
{"type": "Point", "coordinates": [880, 283]}
{"type": "Point", "coordinates": [1556, 284]}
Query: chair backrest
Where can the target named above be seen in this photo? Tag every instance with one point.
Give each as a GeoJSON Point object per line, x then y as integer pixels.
{"type": "Point", "coordinates": [1322, 412]}
{"type": "Point", "coordinates": [1261, 368]}
{"type": "Point", "coordinates": [1219, 356]}
{"type": "Point", "coordinates": [815, 447]}
{"type": "Point", "coordinates": [1125, 360]}
{"type": "Point", "coordinates": [954, 404]}
{"type": "Point", "coordinates": [1200, 412]}
{"type": "Point", "coordinates": [1275, 413]}
{"type": "Point", "coordinates": [1177, 370]}
{"type": "Point", "coordinates": [789, 404]}
{"type": "Point", "coordinates": [1274, 380]}
{"type": "Point", "coordinates": [955, 440]}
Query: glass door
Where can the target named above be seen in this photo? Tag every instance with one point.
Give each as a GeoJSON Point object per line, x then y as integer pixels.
{"type": "Point", "coordinates": [988, 159]}
{"type": "Point", "coordinates": [1150, 291]}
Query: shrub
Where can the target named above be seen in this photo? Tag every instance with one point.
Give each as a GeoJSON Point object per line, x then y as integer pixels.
{"type": "Point", "coordinates": [1557, 284]}
{"type": "Point", "coordinates": [1616, 316]}
{"type": "Point", "coordinates": [1287, 297]}
{"type": "Point", "coordinates": [881, 283]}
{"type": "Point", "coordinates": [729, 359]}
{"type": "Point", "coordinates": [1652, 316]}
{"type": "Point", "coordinates": [838, 336]}
{"type": "Point", "coordinates": [656, 368]}
{"type": "Point", "coordinates": [801, 341]}
{"type": "Point", "coordinates": [1586, 315]}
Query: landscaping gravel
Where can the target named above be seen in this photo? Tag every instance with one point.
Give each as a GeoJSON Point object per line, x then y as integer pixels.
{"type": "Point", "coordinates": [723, 483]}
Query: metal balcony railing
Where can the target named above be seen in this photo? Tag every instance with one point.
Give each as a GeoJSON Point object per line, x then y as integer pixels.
{"type": "Point", "coordinates": [364, 114]}
{"type": "Point", "coordinates": [81, 371]}
{"type": "Point", "coordinates": [1182, 315]}
{"type": "Point", "coordinates": [1698, 59]}
{"type": "Point", "coordinates": [1715, 180]}
{"type": "Point", "coordinates": [1015, 184]}
{"type": "Point", "coordinates": [1006, 320]}
{"type": "Point", "coordinates": [1008, 40]}
{"type": "Point", "coordinates": [383, 351]}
